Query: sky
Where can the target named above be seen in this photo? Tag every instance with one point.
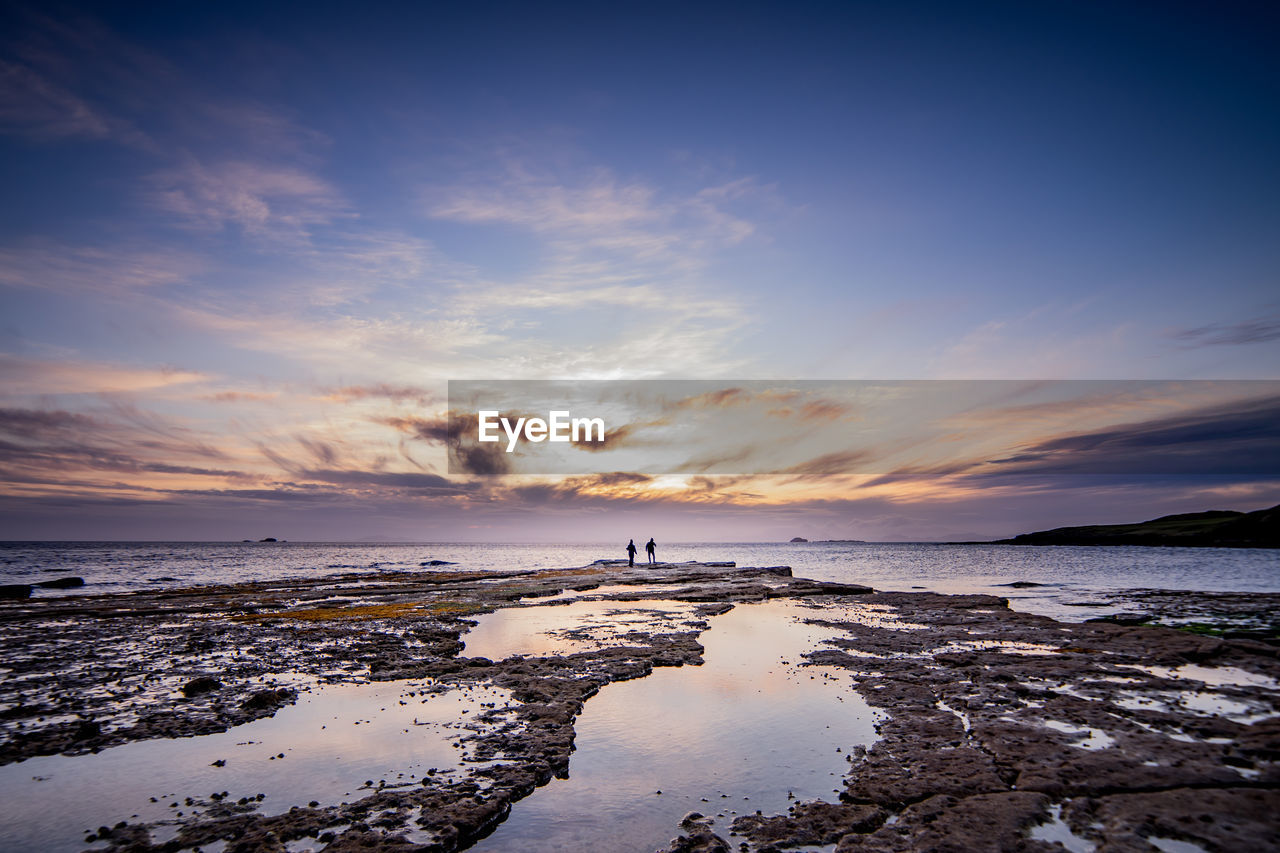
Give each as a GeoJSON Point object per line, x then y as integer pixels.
{"type": "Point", "coordinates": [245, 247]}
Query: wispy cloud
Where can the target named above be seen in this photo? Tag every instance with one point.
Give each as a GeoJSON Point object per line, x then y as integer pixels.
{"type": "Point", "coordinates": [262, 201]}
{"type": "Point", "coordinates": [718, 399]}
{"type": "Point", "coordinates": [602, 207]}
{"type": "Point", "coordinates": [602, 212]}
{"type": "Point", "coordinates": [1034, 343]}
{"type": "Point", "coordinates": [268, 131]}
{"type": "Point", "coordinates": [592, 292]}
{"type": "Point", "coordinates": [32, 105]}
{"type": "Point", "coordinates": [380, 391]}
{"type": "Point", "coordinates": [1253, 331]}
{"type": "Point", "coordinates": [607, 245]}
{"type": "Point", "coordinates": [37, 442]}
{"type": "Point", "coordinates": [401, 482]}
{"type": "Point", "coordinates": [240, 396]}
{"type": "Point", "coordinates": [84, 270]}
{"type": "Point", "coordinates": [815, 410]}
{"type": "Point", "coordinates": [69, 77]}
{"type": "Point", "coordinates": [393, 350]}
{"type": "Point", "coordinates": [831, 465]}
{"type": "Point", "coordinates": [24, 376]}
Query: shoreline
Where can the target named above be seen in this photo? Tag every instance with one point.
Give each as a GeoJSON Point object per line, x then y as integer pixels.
{"type": "Point", "coordinates": [963, 753]}
{"type": "Point", "coordinates": [1064, 574]}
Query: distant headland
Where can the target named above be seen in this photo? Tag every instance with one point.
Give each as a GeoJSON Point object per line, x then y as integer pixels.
{"type": "Point", "coordinates": [1213, 529]}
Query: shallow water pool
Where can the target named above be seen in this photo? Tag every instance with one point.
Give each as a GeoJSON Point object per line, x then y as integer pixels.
{"type": "Point", "coordinates": [560, 629]}
{"type": "Point", "coordinates": [750, 729]}
{"type": "Point", "coordinates": [324, 748]}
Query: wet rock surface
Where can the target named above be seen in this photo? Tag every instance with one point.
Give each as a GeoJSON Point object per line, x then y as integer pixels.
{"type": "Point", "coordinates": [996, 723]}
{"type": "Point", "coordinates": [1231, 615]}
{"type": "Point", "coordinates": [996, 716]}
{"type": "Point", "coordinates": [122, 660]}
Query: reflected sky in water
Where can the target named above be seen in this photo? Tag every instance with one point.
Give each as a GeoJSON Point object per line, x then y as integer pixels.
{"type": "Point", "coordinates": [743, 731]}
{"type": "Point", "coordinates": [333, 740]}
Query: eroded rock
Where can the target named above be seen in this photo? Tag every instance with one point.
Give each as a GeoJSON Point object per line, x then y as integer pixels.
{"type": "Point", "coordinates": [991, 717]}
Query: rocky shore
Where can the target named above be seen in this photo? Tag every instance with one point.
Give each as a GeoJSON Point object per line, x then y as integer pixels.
{"type": "Point", "coordinates": [1000, 730]}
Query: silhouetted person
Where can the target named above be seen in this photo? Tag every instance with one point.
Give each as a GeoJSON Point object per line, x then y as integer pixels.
{"type": "Point", "coordinates": [652, 549]}
{"type": "Point", "coordinates": [631, 552]}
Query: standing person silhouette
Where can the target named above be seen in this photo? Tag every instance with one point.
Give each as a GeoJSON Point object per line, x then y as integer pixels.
{"type": "Point", "coordinates": [652, 549]}
{"type": "Point", "coordinates": [631, 553]}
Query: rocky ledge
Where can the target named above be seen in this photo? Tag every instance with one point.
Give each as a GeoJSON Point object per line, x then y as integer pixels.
{"type": "Point", "coordinates": [1001, 730]}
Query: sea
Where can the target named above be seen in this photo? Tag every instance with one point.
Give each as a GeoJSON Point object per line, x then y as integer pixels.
{"type": "Point", "coordinates": [1071, 582]}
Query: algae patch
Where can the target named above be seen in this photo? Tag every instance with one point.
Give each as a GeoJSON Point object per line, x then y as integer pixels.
{"type": "Point", "coordinates": [366, 612]}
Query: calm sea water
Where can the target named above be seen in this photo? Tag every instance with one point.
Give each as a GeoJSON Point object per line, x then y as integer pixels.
{"type": "Point", "coordinates": [1070, 575]}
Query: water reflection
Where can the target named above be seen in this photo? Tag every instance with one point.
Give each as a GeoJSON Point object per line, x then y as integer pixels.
{"type": "Point", "coordinates": [750, 729]}
{"type": "Point", "coordinates": [324, 748]}
{"type": "Point", "coordinates": [557, 629]}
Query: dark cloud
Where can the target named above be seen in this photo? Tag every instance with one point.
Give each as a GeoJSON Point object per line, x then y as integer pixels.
{"type": "Point", "coordinates": [273, 495]}
{"type": "Point", "coordinates": [614, 478]}
{"type": "Point", "coordinates": [1240, 438]}
{"type": "Point", "coordinates": [281, 461]}
{"type": "Point", "coordinates": [168, 438]}
{"type": "Point", "coordinates": [1235, 442]}
{"type": "Point", "coordinates": [36, 423]}
{"type": "Point", "coordinates": [433, 430]}
{"type": "Point", "coordinates": [614, 437]}
{"type": "Point", "coordinates": [587, 489]}
{"type": "Point", "coordinates": [400, 480]}
{"type": "Point", "coordinates": [1231, 334]}
{"type": "Point", "coordinates": [479, 459]}
{"type": "Point", "coordinates": [459, 433]}
{"type": "Point", "coordinates": [611, 440]}
{"type": "Point", "coordinates": [38, 441]}
{"type": "Point", "coordinates": [321, 450]}
{"type": "Point", "coordinates": [716, 483]}
{"type": "Point", "coordinates": [62, 456]}
{"type": "Point", "coordinates": [161, 468]}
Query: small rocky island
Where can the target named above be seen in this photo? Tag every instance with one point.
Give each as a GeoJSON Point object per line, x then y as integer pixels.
{"type": "Point", "coordinates": [1213, 529]}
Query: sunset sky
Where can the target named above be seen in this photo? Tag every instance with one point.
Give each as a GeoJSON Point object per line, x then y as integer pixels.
{"type": "Point", "coordinates": [243, 248]}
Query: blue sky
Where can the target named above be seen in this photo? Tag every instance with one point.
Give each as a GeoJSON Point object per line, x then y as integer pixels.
{"type": "Point", "coordinates": [238, 240]}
